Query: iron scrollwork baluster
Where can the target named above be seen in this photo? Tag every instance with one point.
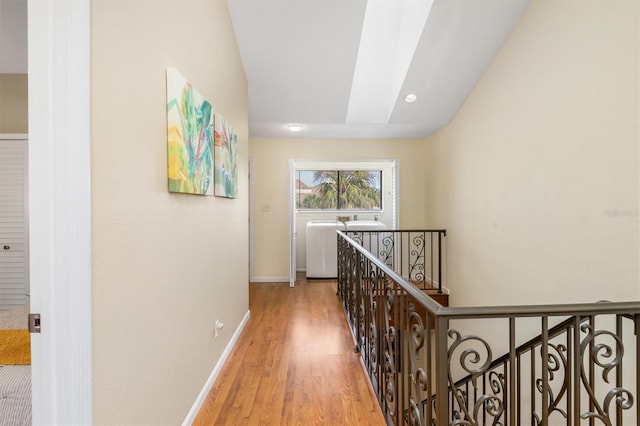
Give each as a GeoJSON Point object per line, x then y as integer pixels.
{"type": "Point", "coordinates": [418, 375]}
{"type": "Point", "coordinates": [367, 279]}
{"type": "Point", "coordinates": [386, 252]}
{"type": "Point", "coordinates": [389, 351]}
{"type": "Point", "coordinates": [416, 259]}
{"type": "Point", "coordinates": [557, 363]}
{"type": "Point", "coordinates": [490, 404]}
{"type": "Point", "coordinates": [599, 351]}
{"type": "Point", "coordinates": [373, 329]}
{"type": "Point", "coordinates": [355, 282]}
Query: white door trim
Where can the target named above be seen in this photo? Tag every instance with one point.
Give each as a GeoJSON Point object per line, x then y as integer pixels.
{"type": "Point", "coordinates": [251, 219]}
{"type": "Point", "coordinates": [396, 195]}
{"type": "Point", "coordinates": [292, 223]}
{"type": "Point", "coordinates": [60, 214]}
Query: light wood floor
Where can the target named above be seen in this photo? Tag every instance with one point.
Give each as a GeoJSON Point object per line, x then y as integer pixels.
{"type": "Point", "coordinates": [293, 364]}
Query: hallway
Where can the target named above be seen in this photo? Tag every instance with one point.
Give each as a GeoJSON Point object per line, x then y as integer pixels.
{"type": "Point", "coordinates": [293, 364]}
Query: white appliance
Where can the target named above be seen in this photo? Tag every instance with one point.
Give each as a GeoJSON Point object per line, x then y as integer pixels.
{"type": "Point", "coordinates": [364, 225]}
{"type": "Point", "coordinates": [373, 242]}
{"type": "Point", "coordinates": [322, 248]}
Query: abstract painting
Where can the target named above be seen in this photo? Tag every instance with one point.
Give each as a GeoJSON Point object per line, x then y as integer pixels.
{"type": "Point", "coordinates": [226, 159]}
{"type": "Point", "coordinates": [189, 137]}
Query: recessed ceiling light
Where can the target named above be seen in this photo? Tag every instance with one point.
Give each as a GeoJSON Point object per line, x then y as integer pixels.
{"type": "Point", "coordinates": [294, 127]}
{"type": "Point", "coordinates": [411, 98]}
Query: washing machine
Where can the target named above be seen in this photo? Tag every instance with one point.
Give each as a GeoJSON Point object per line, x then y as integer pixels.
{"type": "Point", "coordinates": [371, 241]}
{"type": "Point", "coordinates": [322, 248]}
{"type": "Point", "coordinates": [364, 225]}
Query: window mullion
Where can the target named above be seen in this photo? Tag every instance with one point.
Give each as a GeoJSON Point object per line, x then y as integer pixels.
{"type": "Point", "coordinates": [338, 189]}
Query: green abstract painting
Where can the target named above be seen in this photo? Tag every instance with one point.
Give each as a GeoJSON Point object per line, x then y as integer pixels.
{"type": "Point", "coordinates": [226, 159]}
{"type": "Point", "coordinates": [189, 137]}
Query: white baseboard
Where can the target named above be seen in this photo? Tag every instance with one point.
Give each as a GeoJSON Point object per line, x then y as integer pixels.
{"type": "Point", "coordinates": [214, 374]}
{"type": "Point", "coordinates": [269, 280]}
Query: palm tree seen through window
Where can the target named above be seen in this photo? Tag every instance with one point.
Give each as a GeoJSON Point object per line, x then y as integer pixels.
{"type": "Point", "coordinates": [339, 189]}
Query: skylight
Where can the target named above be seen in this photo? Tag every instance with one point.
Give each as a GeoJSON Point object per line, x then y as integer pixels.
{"type": "Point", "coordinates": [390, 34]}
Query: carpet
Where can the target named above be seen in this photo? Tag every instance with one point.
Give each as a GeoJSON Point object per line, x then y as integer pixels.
{"type": "Point", "coordinates": [15, 347]}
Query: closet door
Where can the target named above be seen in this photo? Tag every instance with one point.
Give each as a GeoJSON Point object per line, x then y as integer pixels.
{"type": "Point", "coordinates": [14, 250]}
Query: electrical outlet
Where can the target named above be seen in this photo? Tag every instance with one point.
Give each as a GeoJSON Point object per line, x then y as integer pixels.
{"type": "Point", "coordinates": [217, 328]}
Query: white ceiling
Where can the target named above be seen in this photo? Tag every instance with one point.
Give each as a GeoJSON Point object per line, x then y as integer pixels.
{"type": "Point", "coordinates": [13, 36]}
{"type": "Point", "coordinates": [299, 57]}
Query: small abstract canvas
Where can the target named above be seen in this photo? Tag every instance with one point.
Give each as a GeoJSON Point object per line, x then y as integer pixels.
{"type": "Point", "coordinates": [189, 137]}
{"type": "Point", "coordinates": [226, 159]}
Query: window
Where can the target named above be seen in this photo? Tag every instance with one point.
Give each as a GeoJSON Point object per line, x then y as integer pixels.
{"type": "Point", "coordinates": [339, 189]}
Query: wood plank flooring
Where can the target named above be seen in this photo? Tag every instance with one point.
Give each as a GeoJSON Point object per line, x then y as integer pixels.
{"type": "Point", "coordinates": [293, 364]}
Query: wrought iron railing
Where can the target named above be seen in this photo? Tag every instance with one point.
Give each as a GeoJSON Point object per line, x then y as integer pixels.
{"type": "Point", "coordinates": [415, 255]}
{"type": "Point", "coordinates": [517, 365]}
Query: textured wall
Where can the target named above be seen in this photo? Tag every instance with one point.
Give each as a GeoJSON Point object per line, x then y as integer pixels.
{"type": "Point", "coordinates": [536, 178]}
{"type": "Point", "coordinates": [165, 266]}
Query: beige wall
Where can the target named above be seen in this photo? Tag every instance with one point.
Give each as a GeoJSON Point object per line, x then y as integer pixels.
{"type": "Point", "coordinates": [165, 266]}
{"type": "Point", "coordinates": [536, 178]}
{"type": "Point", "coordinates": [14, 112]}
{"type": "Point", "coordinates": [271, 187]}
